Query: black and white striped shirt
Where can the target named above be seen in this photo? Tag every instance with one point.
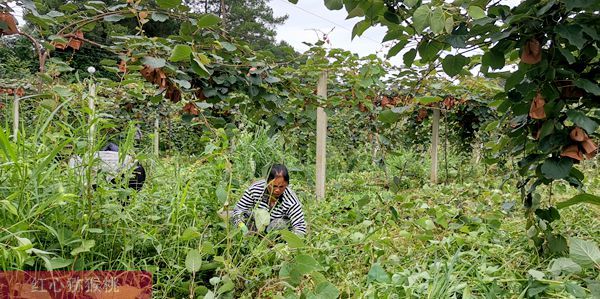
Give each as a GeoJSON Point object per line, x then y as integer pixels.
{"type": "Point", "coordinates": [288, 206]}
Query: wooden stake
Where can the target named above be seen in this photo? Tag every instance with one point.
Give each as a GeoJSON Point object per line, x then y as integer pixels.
{"type": "Point", "coordinates": [435, 138]}
{"type": "Point", "coordinates": [15, 117]}
{"type": "Point", "coordinates": [321, 138]}
{"type": "Point", "coordinates": [156, 135]}
{"type": "Point", "coordinates": [92, 106]}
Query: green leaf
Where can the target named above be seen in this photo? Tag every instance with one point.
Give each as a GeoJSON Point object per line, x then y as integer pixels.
{"type": "Point", "coordinates": [9, 207]}
{"type": "Point", "coordinates": [387, 116]}
{"type": "Point", "coordinates": [226, 287]}
{"type": "Point", "coordinates": [181, 53]}
{"type": "Point", "coordinates": [85, 246]}
{"type": "Point", "coordinates": [425, 223]}
{"type": "Point", "coordinates": [574, 289]}
{"type": "Point", "coordinates": [293, 1]}
{"type": "Point", "coordinates": [325, 290]}
{"type": "Point", "coordinates": [493, 59]}
{"type": "Point", "coordinates": [585, 253]}
{"type": "Point", "coordinates": [262, 218]}
{"type": "Point", "coordinates": [564, 265]}
{"type": "Point", "coordinates": [168, 4]}
{"type": "Point", "coordinates": [57, 263]}
{"type": "Point", "coordinates": [579, 198]}
{"type": "Point", "coordinates": [208, 20]}
{"type": "Point", "coordinates": [421, 18]}
{"type": "Point", "coordinates": [568, 55]}
{"type": "Point", "coordinates": [154, 62]}
{"type": "Point", "coordinates": [476, 12]}
{"type": "Point", "coordinates": [557, 244]}
{"type": "Point", "coordinates": [453, 65]}
{"type": "Point", "coordinates": [582, 121]}
{"type": "Point", "coordinates": [437, 20]}
{"type": "Point", "coordinates": [556, 168]}
{"type": "Point", "coordinates": [409, 57]}
{"type": "Point", "coordinates": [360, 27]}
{"type": "Point", "coordinates": [293, 240]}
{"type": "Point", "coordinates": [428, 100]}
{"type": "Point", "coordinates": [588, 85]}
{"type": "Point", "coordinates": [396, 49]}
{"type": "Point", "coordinates": [305, 264]}
{"type": "Point", "coordinates": [221, 193]}
{"type": "Point", "coordinates": [334, 4]}
{"type": "Point", "coordinates": [378, 274]}
{"type": "Point", "coordinates": [411, 3]}
{"type": "Point", "coordinates": [228, 46]}
{"type": "Point", "coordinates": [449, 24]}
{"type": "Point", "coordinates": [190, 233]}
{"type": "Point", "coordinates": [114, 18]}
{"type": "Point", "coordinates": [429, 50]}
{"type": "Point", "coordinates": [158, 17]}
{"type": "Point", "coordinates": [193, 260]}
{"type": "Point", "coordinates": [573, 33]}
{"type": "Point", "coordinates": [198, 67]}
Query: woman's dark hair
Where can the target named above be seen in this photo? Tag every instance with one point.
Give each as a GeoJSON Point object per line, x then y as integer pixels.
{"type": "Point", "coordinates": [279, 170]}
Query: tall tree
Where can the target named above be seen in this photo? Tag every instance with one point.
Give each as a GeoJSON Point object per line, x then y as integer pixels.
{"type": "Point", "coordinates": [250, 20]}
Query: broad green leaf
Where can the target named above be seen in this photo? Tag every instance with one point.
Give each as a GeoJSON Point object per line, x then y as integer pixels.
{"type": "Point", "coordinates": [210, 294]}
{"type": "Point", "coordinates": [325, 290]}
{"type": "Point", "coordinates": [293, 1]}
{"type": "Point", "coordinates": [226, 287]}
{"type": "Point", "coordinates": [428, 99]}
{"type": "Point", "coordinates": [573, 33]}
{"type": "Point", "coordinates": [378, 274]}
{"type": "Point", "coordinates": [190, 233]}
{"type": "Point", "coordinates": [57, 263]}
{"type": "Point", "coordinates": [388, 116]}
{"type": "Point", "coordinates": [493, 59]}
{"type": "Point", "coordinates": [588, 85]}
{"type": "Point", "coordinates": [574, 289]}
{"type": "Point", "coordinates": [429, 50]}
{"type": "Point", "coordinates": [305, 264]}
{"type": "Point", "coordinates": [168, 4]}
{"type": "Point", "coordinates": [557, 244]}
{"type": "Point", "coordinates": [262, 218]}
{"type": "Point", "coordinates": [293, 240]}
{"type": "Point", "coordinates": [568, 55]}
{"type": "Point", "coordinates": [193, 260]}
{"type": "Point", "coordinates": [198, 67]}
{"type": "Point", "coordinates": [556, 168]}
{"type": "Point", "coordinates": [425, 223]}
{"type": "Point", "coordinates": [585, 253]}
{"type": "Point", "coordinates": [158, 17]}
{"type": "Point", "coordinates": [409, 57]}
{"type": "Point", "coordinates": [154, 62]}
{"type": "Point", "coordinates": [437, 20]}
{"type": "Point", "coordinates": [421, 18]}
{"type": "Point", "coordinates": [221, 193]}
{"type": "Point", "coordinates": [334, 4]}
{"type": "Point", "coordinates": [360, 27]}
{"type": "Point", "coordinates": [181, 53]}
{"type": "Point", "coordinates": [563, 265]}
{"type": "Point", "coordinates": [228, 46]}
{"type": "Point", "coordinates": [579, 198]}
{"type": "Point", "coordinates": [578, 4]}
{"type": "Point", "coordinates": [208, 20]}
{"type": "Point", "coordinates": [476, 12]}
{"type": "Point", "coordinates": [411, 3]}
{"type": "Point", "coordinates": [449, 24]}
{"type": "Point", "coordinates": [453, 65]}
{"type": "Point", "coordinates": [85, 246]}
{"type": "Point", "coordinates": [582, 121]}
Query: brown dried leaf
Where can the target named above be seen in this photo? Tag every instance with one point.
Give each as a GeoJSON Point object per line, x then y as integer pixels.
{"type": "Point", "coordinates": [10, 22]}
{"type": "Point", "coordinates": [537, 107]}
{"type": "Point", "coordinates": [577, 134]}
{"type": "Point", "coordinates": [572, 151]}
{"type": "Point", "coordinates": [532, 52]}
{"type": "Point", "coordinates": [589, 146]}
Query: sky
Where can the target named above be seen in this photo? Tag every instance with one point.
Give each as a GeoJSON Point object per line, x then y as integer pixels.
{"type": "Point", "coordinates": [309, 20]}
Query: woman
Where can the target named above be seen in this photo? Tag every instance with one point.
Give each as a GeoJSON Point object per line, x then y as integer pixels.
{"type": "Point", "coordinates": [274, 196]}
